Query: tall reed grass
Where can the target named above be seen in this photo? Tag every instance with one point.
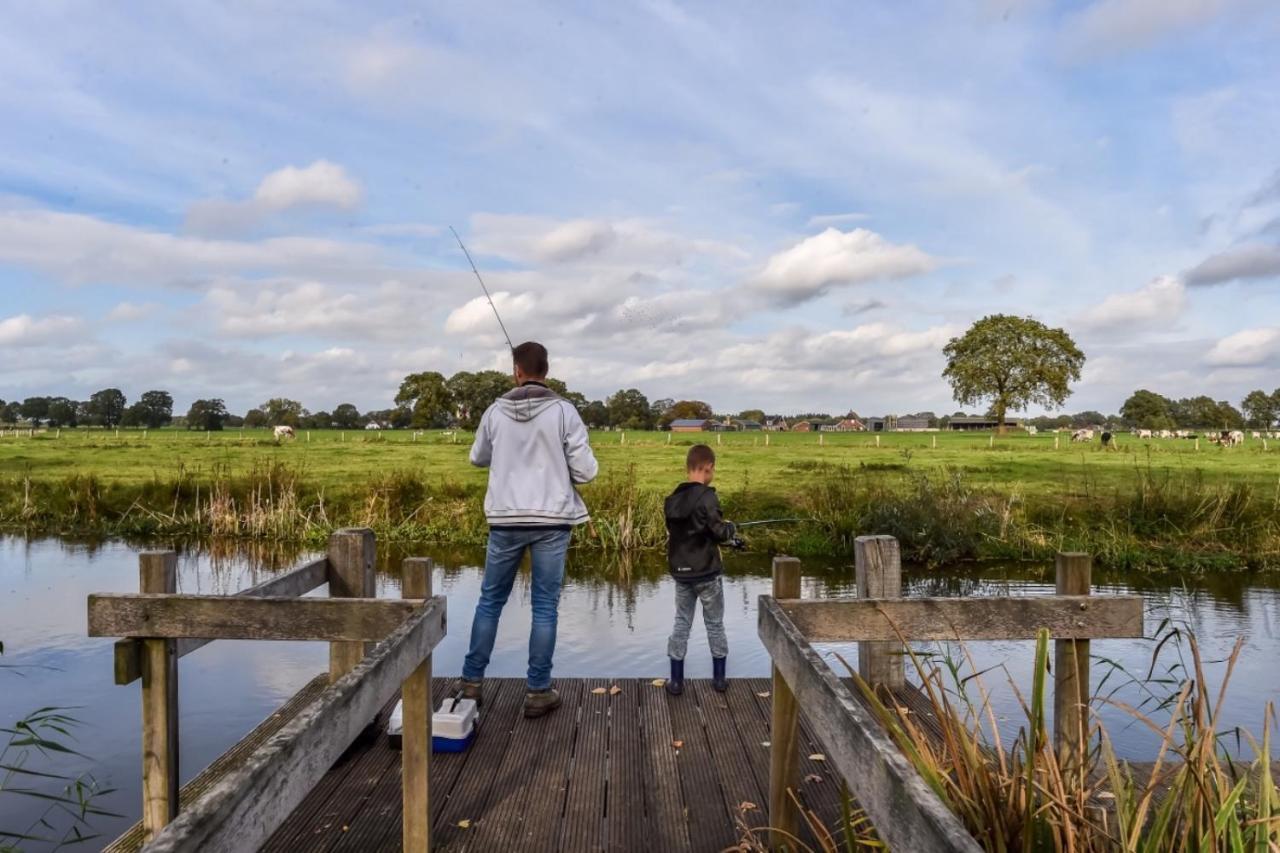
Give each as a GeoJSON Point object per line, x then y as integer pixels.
{"type": "Point", "coordinates": [941, 516]}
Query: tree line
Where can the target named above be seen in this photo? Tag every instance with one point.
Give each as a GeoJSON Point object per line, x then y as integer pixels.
{"type": "Point", "coordinates": [1148, 410]}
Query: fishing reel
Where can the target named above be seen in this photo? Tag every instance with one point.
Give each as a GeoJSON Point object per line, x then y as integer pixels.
{"type": "Point", "coordinates": [737, 543]}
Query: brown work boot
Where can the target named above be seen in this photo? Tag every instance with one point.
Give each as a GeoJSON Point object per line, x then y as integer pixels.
{"type": "Point", "coordinates": [472, 690]}
{"type": "Point", "coordinates": [539, 703]}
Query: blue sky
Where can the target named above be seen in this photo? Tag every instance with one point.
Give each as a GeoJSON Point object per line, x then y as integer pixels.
{"type": "Point", "coordinates": [790, 207]}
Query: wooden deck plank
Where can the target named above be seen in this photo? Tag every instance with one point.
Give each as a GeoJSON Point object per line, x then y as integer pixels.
{"type": "Point", "coordinates": [547, 780]}
{"type": "Point", "coordinates": [710, 819]}
{"type": "Point", "coordinates": [582, 827]}
{"type": "Point", "coordinates": [626, 818]}
{"type": "Point", "coordinates": [744, 798]}
{"type": "Point", "coordinates": [664, 799]}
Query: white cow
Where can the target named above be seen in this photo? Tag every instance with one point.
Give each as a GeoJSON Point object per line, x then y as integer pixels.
{"type": "Point", "coordinates": [1142, 433]}
{"type": "Point", "coordinates": [1233, 438]}
{"type": "Point", "coordinates": [1082, 435]}
{"type": "Point", "coordinates": [1031, 430]}
{"type": "Point", "coordinates": [283, 431]}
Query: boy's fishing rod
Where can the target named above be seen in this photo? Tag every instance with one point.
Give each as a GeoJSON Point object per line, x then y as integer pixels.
{"type": "Point", "coordinates": [770, 521]}
{"type": "Point", "coordinates": [501, 325]}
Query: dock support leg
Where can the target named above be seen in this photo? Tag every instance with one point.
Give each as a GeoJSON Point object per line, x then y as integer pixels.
{"type": "Point", "coordinates": [1071, 674]}
{"type": "Point", "coordinates": [351, 556]}
{"type": "Point", "coordinates": [878, 567]}
{"type": "Point", "coordinates": [784, 732]}
{"type": "Point", "coordinates": [415, 751]}
{"type": "Point", "coordinates": [158, 573]}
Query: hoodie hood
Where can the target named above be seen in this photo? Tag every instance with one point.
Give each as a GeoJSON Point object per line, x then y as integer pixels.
{"type": "Point", "coordinates": [526, 402]}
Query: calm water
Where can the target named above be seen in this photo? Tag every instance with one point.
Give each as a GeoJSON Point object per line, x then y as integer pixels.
{"type": "Point", "coordinates": [614, 621]}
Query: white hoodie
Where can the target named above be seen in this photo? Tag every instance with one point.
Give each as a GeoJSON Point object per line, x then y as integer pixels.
{"type": "Point", "coordinates": [536, 448]}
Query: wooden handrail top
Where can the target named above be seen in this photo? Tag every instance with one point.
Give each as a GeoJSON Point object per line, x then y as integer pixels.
{"type": "Point", "coordinates": [243, 618]}
{"type": "Point", "coordinates": [1072, 617]}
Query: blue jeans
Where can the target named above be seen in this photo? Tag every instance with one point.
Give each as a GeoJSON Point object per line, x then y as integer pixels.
{"type": "Point", "coordinates": [506, 549]}
{"type": "Point", "coordinates": [688, 594]}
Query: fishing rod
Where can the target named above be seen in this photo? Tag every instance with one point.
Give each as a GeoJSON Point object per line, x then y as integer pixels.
{"type": "Point", "coordinates": [501, 325]}
{"type": "Point", "coordinates": [770, 521]}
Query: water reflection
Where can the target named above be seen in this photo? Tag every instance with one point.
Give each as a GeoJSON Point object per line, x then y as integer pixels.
{"type": "Point", "coordinates": [615, 616]}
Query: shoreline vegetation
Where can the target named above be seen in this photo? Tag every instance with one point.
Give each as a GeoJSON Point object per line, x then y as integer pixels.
{"type": "Point", "coordinates": [970, 498]}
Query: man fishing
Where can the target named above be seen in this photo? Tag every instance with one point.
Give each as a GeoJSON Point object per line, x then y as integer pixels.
{"type": "Point", "coordinates": [536, 448]}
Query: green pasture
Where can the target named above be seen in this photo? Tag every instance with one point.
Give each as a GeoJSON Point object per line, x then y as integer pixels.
{"type": "Point", "coordinates": [782, 463]}
{"type": "Point", "coordinates": [947, 496]}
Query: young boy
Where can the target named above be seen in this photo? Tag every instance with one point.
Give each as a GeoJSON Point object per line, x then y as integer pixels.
{"type": "Point", "coordinates": [695, 530]}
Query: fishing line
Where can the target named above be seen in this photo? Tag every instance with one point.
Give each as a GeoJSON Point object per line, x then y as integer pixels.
{"type": "Point", "coordinates": [498, 316]}
{"type": "Point", "coordinates": [771, 521]}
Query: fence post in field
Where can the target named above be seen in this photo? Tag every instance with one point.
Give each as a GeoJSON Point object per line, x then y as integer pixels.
{"type": "Point", "coordinates": [668, 438]}
{"type": "Point", "coordinates": [719, 438]}
{"type": "Point", "coordinates": [935, 442]}
{"type": "Point", "coordinates": [820, 438]}
{"type": "Point", "coordinates": [1197, 443]}
{"type": "Point", "coordinates": [877, 441]}
{"type": "Point", "coordinates": [991, 440]}
{"type": "Point", "coordinates": [1055, 441]}
{"type": "Point", "coordinates": [766, 439]}
{"type": "Point", "coordinates": [415, 749]}
{"type": "Point", "coordinates": [351, 555]}
{"type": "Point", "coordinates": [878, 568]}
{"type": "Point", "coordinates": [784, 730]}
{"type": "Point", "coordinates": [622, 438]}
{"type": "Point", "coordinates": [158, 573]}
{"type": "Point", "coordinates": [1071, 672]}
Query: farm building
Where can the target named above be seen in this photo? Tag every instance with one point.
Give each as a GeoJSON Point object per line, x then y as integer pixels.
{"type": "Point", "coordinates": [980, 422]}
{"type": "Point", "coordinates": [886, 424]}
{"type": "Point", "coordinates": [849, 425]}
{"type": "Point", "coordinates": [692, 425]}
{"type": "Point", "coordinates": [747, 426]}
{"type": "Point", "coordinates": [777, 425]}
{"type": "Point", "coordinates": [804, 426]}
{"type": "Point", "coordinates": [912, 423]}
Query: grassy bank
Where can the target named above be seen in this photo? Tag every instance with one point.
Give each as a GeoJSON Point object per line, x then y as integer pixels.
{"type": "Point", "coordinates": [1148, 504]}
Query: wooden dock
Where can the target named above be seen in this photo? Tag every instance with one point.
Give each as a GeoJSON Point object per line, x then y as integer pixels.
{"type": "Point", "coordinates": [621, 766]}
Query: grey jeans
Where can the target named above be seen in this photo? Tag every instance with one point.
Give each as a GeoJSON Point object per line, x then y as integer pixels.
{"type": "Point", "coordinates": [711, 594]}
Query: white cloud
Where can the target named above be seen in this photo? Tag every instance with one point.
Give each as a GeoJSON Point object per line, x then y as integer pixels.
{"type": "Point", "coordinates": [23, 330]}
{"type": "Point", "coordinates": [544, 240]}
{"type": "Point", "coordinates": [1117, 25]}
{"type": "Point", "coordinates": [1158, 303]}
{"type": "Point", "coordinates": [1247, 348]}
{"type": "Point", "coordinates": [81, 249]}
{"type": "Point", "coordinates": [128, 312]}
{"type": "Point", "coordinates": [320, 184]}
{"type": "Point", "coordinates": [1240, 262]}
{"type": "Point", "coordinates": [828, 219]}
{"type": "Point", "coordinates": [476, 316]}
{"type": "Point", "coordinates": [833, 258]}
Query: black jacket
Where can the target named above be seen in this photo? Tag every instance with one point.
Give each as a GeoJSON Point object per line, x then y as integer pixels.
{"type": "Point", "coordinates": [695, 529]}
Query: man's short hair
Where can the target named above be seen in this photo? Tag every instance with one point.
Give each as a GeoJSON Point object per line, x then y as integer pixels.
{"type": "Point", "coordinates": [531, 358]}
{"type": "Point", "coordinates": [700, 456]}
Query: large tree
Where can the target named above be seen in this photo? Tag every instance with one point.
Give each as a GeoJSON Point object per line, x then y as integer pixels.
{"type": "Point", "coordinates": [629, 409]}
{"type": "Point", "coordinates": [596, 414]}
{"type": "Point", "coordinates": [281, 411]}
{"type": "Point", "coordinates": [346, 416]}
{"type": "Point", "coordinates": [62, 412]}
{"type": "Point", "coordinates": [207, 415]}
{"type": "Point", "coordinates": [107, 406]}
{"type": "Point", "coordinates": [685, 410]}
{"type": "Point", "coordinates": [1148, 410]}
{"type": "Point", "coordinates": [578, 401]}
{"type": "Point", "coordinates": [472, 393]}
{"type": "Point", "coordinates": [1014, 362]}
{"type": "Point", "coordinates": [427, 396]}
{"type": "Point", "coordinates": [1261, 408]}
{"type": "Point", "coordinates": [155, 409]}
{"type": "Point", "coordinates": [35, 408]}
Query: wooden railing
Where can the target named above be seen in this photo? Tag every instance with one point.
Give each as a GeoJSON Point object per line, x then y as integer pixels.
{"type": "Point", "coordinates": [242, 810]}
{"type": "Point", "coordinates": [906, 812]}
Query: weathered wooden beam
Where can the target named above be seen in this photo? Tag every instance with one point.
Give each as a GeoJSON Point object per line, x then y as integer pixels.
{"type": "Point", "coordinates": [415, 749]}
{"type": "Point", "coordinates": [904, 810]}
{"type": "Point", "coordinates": [878, 569]}
{"type": "Point", "coordinates": [1071, 675]}
{"type": "Point", "coordinates": [296, 581]}
{"type": "Point", "coordinates": [242, 810]}
{"type": "Point", "coordinates": [352, 552]}
{"type": "Point", "coordinates": [1068, 617]}
{"type": "Point", "coordinates": [158, 573]}
{"type": "Point", "coordinates": [784, 728]}
{"type": "Point", "coordinates": [221, 617]}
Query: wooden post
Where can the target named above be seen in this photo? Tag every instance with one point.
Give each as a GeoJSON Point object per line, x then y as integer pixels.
{"type": "Point", "coordinates": [1071, 672]}
{"type": "Point", "coordinates": [351, 555]}
{"type": "Point", "coordinates": [878, 568]}
{"type": "Point", "coordinates": [935, 442]}
{"type": "Point", "coordinates": [719, 438]}
{"type": "Point", "coordinates": [158, 572]}
{"type": "Point", "coordinates": [415, 750]}
{"type": "Point", "coordinates": [877, 440]}
{"type": "Point", "coordinates": [820, 439]}
{"type": "Point", "coordinates": [784, 731]}
{"type": "Point", "coordinates": [1055, 442]}
{"type": "Point", "coordinates": [766, 439]}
